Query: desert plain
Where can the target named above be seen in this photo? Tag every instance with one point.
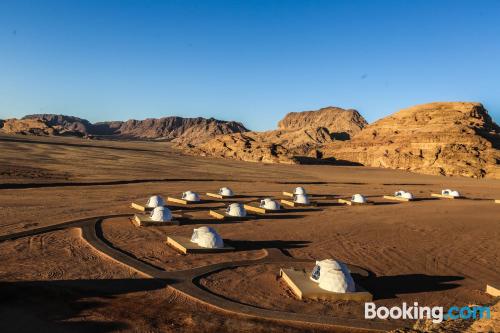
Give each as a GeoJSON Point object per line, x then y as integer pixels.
{"type": "Point", "coordinates": [432, 251]}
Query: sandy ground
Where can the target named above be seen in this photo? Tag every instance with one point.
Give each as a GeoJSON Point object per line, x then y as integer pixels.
{"type": "Point", "coordinates": [436, 252]}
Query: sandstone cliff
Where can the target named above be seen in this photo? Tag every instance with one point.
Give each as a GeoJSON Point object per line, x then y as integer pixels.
{"type": "Point", "coordinates": [300, 134]}
{"type": "Point", "coordinates": [27, 127]}
{"type": "Point", "coordinates": [438, 138]}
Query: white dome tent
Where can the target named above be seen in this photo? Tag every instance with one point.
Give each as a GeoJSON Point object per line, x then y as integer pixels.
{"type": "Point", "coordinates": [190, 196]}
{"type": "Point", "coordinates": [207, 237]}
{"type": "Point", "coordinates": [301, 199]}
{"type": "Point", "coordinates": [358, 198]}
{"type": "Point", "coordinates": [161, 214]}
{"type": "Point", "coordinates": [403, 194]}
{"type": "Point", "coordinates": [226, 191]}
{"type": "Point", "coordinates": [451, 193]}
{"type": "Point", "coordinates": [236, 209]}
{"type": "Point", "coordinates": [334, 276]}
{"type": "Point", "coordinates": [299, 190]}
{"type": "Point", "coordinates": [155, 201]}
{"type": "Point", "coordinates": [270, 204]}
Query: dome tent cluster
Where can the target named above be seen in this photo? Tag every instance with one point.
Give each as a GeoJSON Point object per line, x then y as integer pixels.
{"type": "Point", "coordinates": [330, 275]}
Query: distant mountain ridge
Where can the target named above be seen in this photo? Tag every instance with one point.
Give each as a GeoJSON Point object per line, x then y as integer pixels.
{"type": "Point", "coordinates": [177, 129]}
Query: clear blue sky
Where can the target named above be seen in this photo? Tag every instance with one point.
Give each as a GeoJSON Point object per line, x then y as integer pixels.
{"type": "Point", "coordinates": [251, 61]}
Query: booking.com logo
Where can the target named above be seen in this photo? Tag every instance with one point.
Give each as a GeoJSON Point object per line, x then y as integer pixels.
{"type": "Point", "coordinates": [435, 313]}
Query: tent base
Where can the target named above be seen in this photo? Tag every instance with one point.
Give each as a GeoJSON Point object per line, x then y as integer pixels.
{"type": "Point", "coordinates": [185, 246]}
{"type": "Point", "coordinates": [296, 204]}
{"type": "Point", "coordinates": [219, 196]}
{"type": "Point", "coordinates": [138, 207]}
{"type": "Point", "coordinates": [146, 221]}
{"type": "Point", "coordinates": [303, 287]}
{"type": "Point", "coordinates": [261, 210]}
{"type": "Point", "coordinates": [352, 203]}
{"type": "Point", "coordinates": [392, 197]}
{"type": "Point", "coordinates": [222, 215]}
{"type": "Point", "coordinates": [184, 202]}
{"type": "Point", "coordinates": [437, 195]}
{"type": "Point", "coordinates": [493, 290]}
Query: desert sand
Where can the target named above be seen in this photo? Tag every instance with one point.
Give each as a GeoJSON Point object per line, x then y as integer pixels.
{"type": "Point", "coordinates": [436, 252]}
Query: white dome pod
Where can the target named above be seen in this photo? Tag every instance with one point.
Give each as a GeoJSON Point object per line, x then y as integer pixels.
{"type": "Point", "coordinates": [191, 196]}
{"type": "Point", "coordinates": [300, 190]}
{"type": "Point", "coordinates": [333, 276]}
{"type": "Point", "coordinates": [301, 199]}
{"type": "Point", "coordinates": [403, 194]}
{"type": "Point", "coordinates": [226, 191]}
{"type": "Point", "coordinates": [161, 214]}
{"type": "Point", "coordinates": [451, 193]}
{"type": "Point", "coordinates": [236, 209]}
{"type": "Point", "coordinates": [270, 204]}
{"type": "Point", "coordinates": [155, 201]}
{"type": "Point", "coordinates": [358, 198]}
{"type": "Point", "coordinates": [207, 237]}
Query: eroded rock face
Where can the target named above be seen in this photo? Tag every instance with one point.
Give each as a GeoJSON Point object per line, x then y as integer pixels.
{"type": "Point", "coordinates": [300, 134]}
{"type": "Point", "coordinates": [27, 127]}
{"type": "Point", "coordinates": [340, 123]}
{"type": "Point", "coordinates": [455, 138]}
{"type": "Point", "coordinates": [176, 129]}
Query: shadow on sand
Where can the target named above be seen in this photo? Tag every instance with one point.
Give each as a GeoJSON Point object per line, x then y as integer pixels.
{"type": "Point", "coordinates": [59, 306]}
{"type": "Point", "coordinates": [390, 286]}
{"type": "Point", "coordinates": [244, 245]}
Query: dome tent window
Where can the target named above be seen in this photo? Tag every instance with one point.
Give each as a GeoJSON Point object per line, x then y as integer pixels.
{"type": "Point", "coordinates": [226, 191]}
{"type": "Point", "coordinates": [448, 194]}
{"type": "Point", "coordinates": [333, 276]}
{"type": "Point", "coordinates": [451, 193]}
{"type": "Point", "coordinates": [191, 196]}
{"type": "Point", "coordinates": [270, 204]}
{"type": "Point", "coordinates": [403, 194]}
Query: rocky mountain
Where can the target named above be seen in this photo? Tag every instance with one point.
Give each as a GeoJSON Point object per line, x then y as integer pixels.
{"type": "Point", "coordinates": [299, 134]}
{"type": "Point", "coordinates": [339, 122]}
{"type": "Point", "coordinates": [453, 138]}
{"type": "Point", "coordinates": [176, 129]}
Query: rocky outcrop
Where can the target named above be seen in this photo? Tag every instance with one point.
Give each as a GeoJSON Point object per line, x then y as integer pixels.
{"type": "Point", "coordinates": [176, 129]}
{"type": "Point", "coordinates": [64, 124]}
{"type": "Point", "coordinates": [27, 127]}
{"type": "Point", "coordinates": [300, 134]}
{"type": "Point", "coordinates": [453, 138]}
{"type": "Point", "coordinates": [340, 123]}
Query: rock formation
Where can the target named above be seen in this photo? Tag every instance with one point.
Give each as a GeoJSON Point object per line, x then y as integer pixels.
{"type": "Point", "coordinates": [176, 129]}
{"type": "Point", "coordinates": [299, 136]}
{"type": "Point", "coordinates": [27, 127]}
{"type": "Point", "coordinates": [340, 123]}
{"type": "Point", "coordinates": [438, 138]}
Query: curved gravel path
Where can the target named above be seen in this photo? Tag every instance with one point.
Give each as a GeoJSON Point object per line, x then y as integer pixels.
{"type": "Point", "coordinates": [186, 281]}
